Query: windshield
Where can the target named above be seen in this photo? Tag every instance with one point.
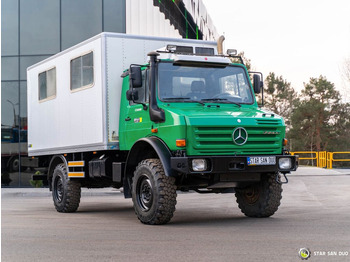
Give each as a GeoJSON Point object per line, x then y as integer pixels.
{"type": "Point", "coordinates": [179, 83]}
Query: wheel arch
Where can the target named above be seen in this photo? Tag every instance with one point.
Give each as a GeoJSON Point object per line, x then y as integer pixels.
{"type": "Point", "coordinates": [144, 148]}
{"type": "Point", "coordinates": [55, 160]}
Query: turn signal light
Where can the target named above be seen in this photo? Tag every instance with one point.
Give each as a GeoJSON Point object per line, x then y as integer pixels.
{"type": "Point", "coordinates": [181, 142]}
{"type": "Point", "coordinates": [285, 142]}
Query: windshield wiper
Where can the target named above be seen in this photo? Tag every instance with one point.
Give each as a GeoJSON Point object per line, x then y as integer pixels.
{"type": "Point", "coordinates": [220, 99]}
{"type": "Point", "coordinates": [182, 98]}
{"type": "Point", "coordinates": [214, 99]}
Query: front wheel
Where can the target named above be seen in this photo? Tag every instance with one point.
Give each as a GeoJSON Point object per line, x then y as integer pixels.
{"type": "Point", "coordinates": [153, 193]}
{"type": "Point", "coordinates": [261, 199]}
{"type": "Point", "coordinates": [65, 193]}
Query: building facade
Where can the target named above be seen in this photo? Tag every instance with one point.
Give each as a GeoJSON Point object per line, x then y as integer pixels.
{"type": "Point", "coordinates": [32, 30]}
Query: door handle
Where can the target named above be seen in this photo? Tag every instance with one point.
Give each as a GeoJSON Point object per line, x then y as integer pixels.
{"type": "Point", "coordinates": [127, 119]}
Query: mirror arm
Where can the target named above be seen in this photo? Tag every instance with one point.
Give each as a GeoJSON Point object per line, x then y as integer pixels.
{"type": "Point", "coordinates": [145, 107]}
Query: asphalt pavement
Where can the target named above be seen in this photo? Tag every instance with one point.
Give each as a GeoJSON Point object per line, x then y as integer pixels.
{"type": "Point", "coordinates": [314, 214]}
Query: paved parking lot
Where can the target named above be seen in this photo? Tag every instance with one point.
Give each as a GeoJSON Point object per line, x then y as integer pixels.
{"type": "Point", "coordinates": [314, 214]}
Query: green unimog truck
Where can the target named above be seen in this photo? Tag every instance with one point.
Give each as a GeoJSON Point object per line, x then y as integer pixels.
{"type": "Point", "coordinates": [181, 117]}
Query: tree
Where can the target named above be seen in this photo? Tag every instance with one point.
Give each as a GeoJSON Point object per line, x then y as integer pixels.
{"type": "Point", "coordinates": [315, 116]}
{"type": "Point", "coordinates": [339, 138]}
{"type": "Point", "coordinates": [279, 96]}
{"type": "Point", "coordinates": [246, 61]}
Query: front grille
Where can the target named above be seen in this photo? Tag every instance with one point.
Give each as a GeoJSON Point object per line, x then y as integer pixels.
{"type": "Point", "coordinates": [262, 139]}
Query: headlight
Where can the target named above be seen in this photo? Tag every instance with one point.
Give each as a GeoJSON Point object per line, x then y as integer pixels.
{"type": "Point", "coordinates": [285, 163]}
{"type": "Point", "coordinates": [199, 164]}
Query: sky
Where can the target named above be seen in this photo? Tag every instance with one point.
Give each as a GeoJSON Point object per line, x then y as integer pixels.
{"type": "Point", "coordinates": [295, 39]}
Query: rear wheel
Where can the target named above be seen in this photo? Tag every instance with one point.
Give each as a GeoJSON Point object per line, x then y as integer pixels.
{"type": "Point", "coordinates": [153, 193]}
{"type": "Point", "coordinates": [260, 199]}
{"type": "Point", "coordinates": [65, 193]}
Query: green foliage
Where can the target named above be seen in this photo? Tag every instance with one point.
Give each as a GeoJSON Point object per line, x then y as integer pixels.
{"type": "Point", "coordinates": [319, 120]}
{"type": "Point", "coordinates": [37, 183]}
{"type": "Point", "coordinates": [279, 96]}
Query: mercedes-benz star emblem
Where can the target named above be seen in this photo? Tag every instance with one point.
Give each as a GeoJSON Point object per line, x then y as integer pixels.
{"type": "Point", "coordinates": [240, 136]}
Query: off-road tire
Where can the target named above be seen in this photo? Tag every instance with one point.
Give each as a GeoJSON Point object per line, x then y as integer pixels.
{"type": "Point", "coordinates": [261, 199]}
{"type": "Point", "coordinates": [153, 193]}
{"type": "Point", "coordinates": [65, 193]}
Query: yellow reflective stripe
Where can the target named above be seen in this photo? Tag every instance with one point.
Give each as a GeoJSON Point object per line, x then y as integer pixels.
{"type": "Point", "coordinates": [76, 174]}
{"type": "Point", "coordinates": [76, 163]}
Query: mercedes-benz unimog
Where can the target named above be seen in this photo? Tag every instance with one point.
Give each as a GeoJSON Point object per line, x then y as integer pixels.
{"type": "Point", "coordinates": [154, 116]}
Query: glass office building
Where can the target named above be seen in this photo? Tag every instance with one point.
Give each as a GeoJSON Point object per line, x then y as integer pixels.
{"type": "Point", "coordinates": [33, 30]}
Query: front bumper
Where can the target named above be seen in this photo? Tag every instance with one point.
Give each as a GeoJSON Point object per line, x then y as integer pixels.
{"type": "Point", "coordinates": [229, 165]}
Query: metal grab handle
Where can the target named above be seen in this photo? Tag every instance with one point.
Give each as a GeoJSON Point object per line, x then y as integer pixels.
{"type": "Point", "coordinates": [278, 180]}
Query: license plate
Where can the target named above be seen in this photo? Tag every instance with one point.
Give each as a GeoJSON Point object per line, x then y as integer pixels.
{"type": "Point", "coordinates": [261, 160]}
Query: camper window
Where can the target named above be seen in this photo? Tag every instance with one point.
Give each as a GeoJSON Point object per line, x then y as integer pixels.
{"type": "Point", "coordinates": [47, 84]}
{"type": "Point", "coordinates": [82, 71]}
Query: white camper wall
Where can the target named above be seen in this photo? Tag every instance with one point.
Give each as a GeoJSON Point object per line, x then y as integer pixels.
{"type": "Point", "coordinates": [72, 119]}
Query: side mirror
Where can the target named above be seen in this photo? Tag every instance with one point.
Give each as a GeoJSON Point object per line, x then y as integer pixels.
{"type": "Point", "coordinates": [135, 76]}
{"type": "Point", "coordinates": [257, 84]}
{"type": "Point", "coordinates": [132, 95]}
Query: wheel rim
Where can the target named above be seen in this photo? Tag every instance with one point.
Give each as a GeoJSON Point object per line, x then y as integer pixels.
{"type": "Point", "coordinates": [58, 189]}
{"type": "Point", "coordinates": [252, 194]}
{"type": "Point", "coordinates": [144, 193]}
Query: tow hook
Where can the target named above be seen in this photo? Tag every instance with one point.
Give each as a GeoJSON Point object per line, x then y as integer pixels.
{"type": "Point", "coordinates": [279, 181]}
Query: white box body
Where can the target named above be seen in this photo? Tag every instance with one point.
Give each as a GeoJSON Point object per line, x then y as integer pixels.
{"type": "Point", "coordinates": [87, 119]}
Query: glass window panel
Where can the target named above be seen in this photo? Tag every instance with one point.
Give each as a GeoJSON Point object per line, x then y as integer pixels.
{"type": "Point", "coordinates": [9, 103]}
{"type": "Point", "coordinates": [42, 86]}
{"type": "Point", "coordinates": [81, 19]}
{"type": "Point", "coordinates": [82, 71]}
{"type": "Point", "coordinates": [40, 27]}
{"type": "Point", "coordinates": [76, 73]}
{"type": "Point", "coordinates": [47, 84]}
{"type": "Point", "coordinates": [9, 68]}
{"type": "Point", "coordinates": [88, 74]}
{"type": "Point", "coordinates": [51, 82]}
{"type": "Point", "coordinates": [27, 62]}
{"type": "Point", "coordinates": [23, 103]}
{"type": "Point", "coordinates": [9, 27]}
{"type": "Point", "coordinates": [114, 16]}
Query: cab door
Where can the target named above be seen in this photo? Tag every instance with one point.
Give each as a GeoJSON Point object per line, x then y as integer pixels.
{"type": "Point", "coordinates": [137, 123]}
